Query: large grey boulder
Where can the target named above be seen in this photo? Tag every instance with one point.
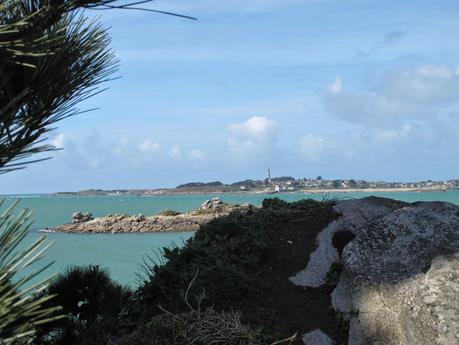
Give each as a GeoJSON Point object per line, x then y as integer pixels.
{"type": "Point", "coordinates": [211, 203]}
{"type": "Point", "coordinates": [354, 215]}
{"type": "Point", "coordinates": [400, 278]}
{"type": "Point", "coordinates": [401, 273]}
{"type": "Point", "coordinates": [78, 217]}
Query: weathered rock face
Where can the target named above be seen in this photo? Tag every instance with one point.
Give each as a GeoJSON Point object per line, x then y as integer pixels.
{"type": "Point", "coordinates": [124, 223]}
{"type": "Point", "coordinates": [400, 280]}
{"type": "Point", "coordinates": [404, 271]}
{"type": "Point", "coordinates": [355, 214]}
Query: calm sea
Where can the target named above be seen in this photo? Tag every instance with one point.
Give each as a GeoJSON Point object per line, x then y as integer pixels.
{"type": "Point", "coordinates": [122, 253]}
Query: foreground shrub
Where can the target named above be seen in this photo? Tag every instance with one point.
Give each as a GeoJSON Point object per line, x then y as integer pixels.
{"type": "Point", "coordinates": [274, 203]}
{"type": "Point", "coordinates": [90, 300]}
{"type": "Point", "coordinates": [226, 251]}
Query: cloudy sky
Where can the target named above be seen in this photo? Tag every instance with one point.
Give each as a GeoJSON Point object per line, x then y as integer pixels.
{"type": "Point", "coordinates": [343, 89]}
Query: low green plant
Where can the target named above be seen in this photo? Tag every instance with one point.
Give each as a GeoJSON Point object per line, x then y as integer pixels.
{"type": "Point", "coordinates": [201, 211]}
{"type": "Point", "coordinates": [274, 203]}
{"type": "Point", "coordinates": [169, 213]}
{"type": "Point", "coordinates": [277, 203]}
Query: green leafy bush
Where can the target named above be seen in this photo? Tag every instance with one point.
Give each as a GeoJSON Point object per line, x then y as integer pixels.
{"type": "Point", "coordinates": [169, 213]}
{"type": "Point", "coordinates": [226, 250]}
{"type": "Point", "coordinates": [274, 203]}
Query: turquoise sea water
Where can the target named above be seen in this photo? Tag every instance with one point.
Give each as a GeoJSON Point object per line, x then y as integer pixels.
{"type": "Point", "coordinates": [122, 253]}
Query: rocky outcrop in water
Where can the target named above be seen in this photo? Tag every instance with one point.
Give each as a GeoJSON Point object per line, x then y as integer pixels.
{"type": "Point", "coordinates": [165, 221]}
{"type": "Point", "coordinates": [400, 279]}
{"type": "Point", "coordinates": [211, 204]}
{"type": "Point", "coordinates": [78, 217]}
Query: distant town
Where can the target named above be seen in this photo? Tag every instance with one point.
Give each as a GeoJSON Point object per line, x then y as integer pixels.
{"type": "Point", "coordinates": [283, 184]}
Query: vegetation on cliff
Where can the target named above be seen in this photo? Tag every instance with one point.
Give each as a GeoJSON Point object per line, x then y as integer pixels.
{"type": "Point", "coordinates": [229, 282]}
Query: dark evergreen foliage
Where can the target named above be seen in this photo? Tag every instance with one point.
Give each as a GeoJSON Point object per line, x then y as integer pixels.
{"type": "Point", "coordinates": [91, 302]}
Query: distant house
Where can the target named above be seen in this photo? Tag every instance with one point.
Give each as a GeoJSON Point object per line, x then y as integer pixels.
{"type": "Point", "coordinates": [243, 187]}
{"type": "Point", "coordinates": [277, 189]}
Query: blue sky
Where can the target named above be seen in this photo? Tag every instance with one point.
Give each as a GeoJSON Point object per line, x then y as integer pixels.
{"type": "Point", "coordinates": [342, 89]}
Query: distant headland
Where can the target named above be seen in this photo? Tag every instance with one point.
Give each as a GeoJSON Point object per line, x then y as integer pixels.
{"type": "Point", "coordinates": [283, 184]}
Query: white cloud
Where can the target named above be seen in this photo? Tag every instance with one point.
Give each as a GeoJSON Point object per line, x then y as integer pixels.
{"type": "Point", "coordinates": [311, 146]}
{"type": "Point", "coordinates": [427, 85]}
{"type": "Point", "coordinates": [392, 134]}
{"type": "Point", "coordinates": [58, 141]}
{"type": "Point", "coordinates": [336, 86]}
{"type": "Point", "coordinates": [175, 152]}
{"type": "Point", "coordinates": [441, 72]}
{"type": "Point", "coordinates": [257, 135]}
{"type": "Point", "coordinates": [399, 97]}
{"type": "Point", "coordinates": [256, 126]}
{"type": "Point", "coordinates": [149, 146]}
{"type": "Point", "coordinates": [198, 155]}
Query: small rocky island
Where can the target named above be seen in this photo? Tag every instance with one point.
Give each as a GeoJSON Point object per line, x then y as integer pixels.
{"type": "Point", "coordinates": [166, 220]}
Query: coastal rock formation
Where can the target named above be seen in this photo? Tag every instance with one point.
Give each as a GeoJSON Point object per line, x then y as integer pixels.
{"type": "Point", "coordinates": [78, 217]}
{"type": "Point", "coordinates": [211, 209]}
{"type": "Point", "coordinates": [355, 214]}
{"type": "Point", "coordinates": [211, 204]}
{"type": "Point", "coordinates": [400, 279]}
